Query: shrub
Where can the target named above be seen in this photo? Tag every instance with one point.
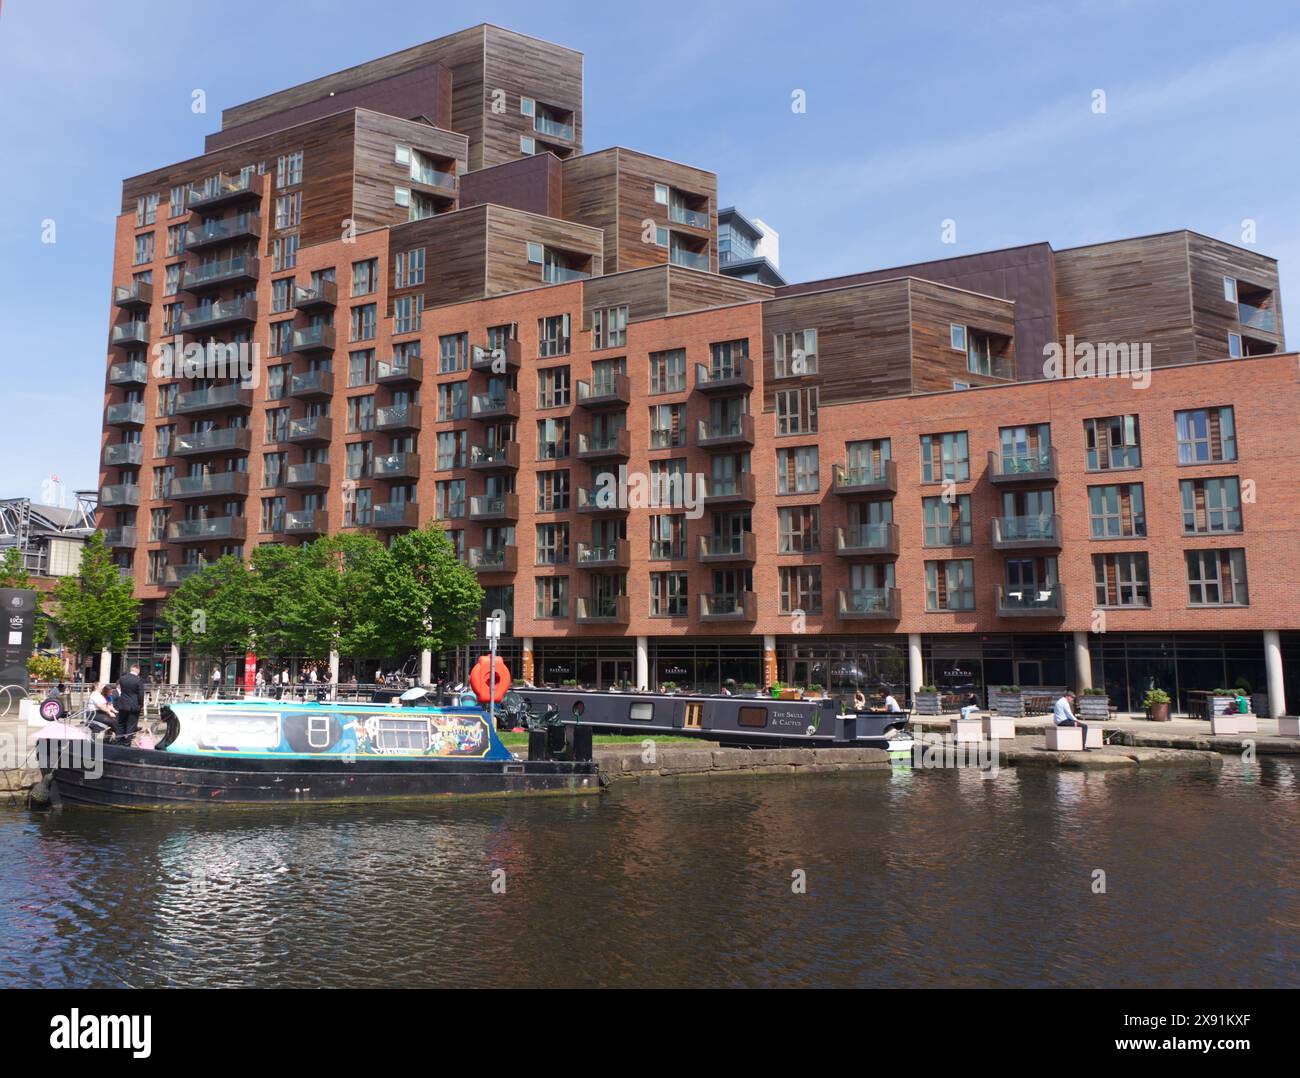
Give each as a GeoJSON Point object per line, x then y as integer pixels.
{"type": "Point", "coordinates": [1155, 696]}
{"type": "Point", "coordinates": [1094, 692]}
{"type": "Point", "coordinates": [928, 688]}
{"type": "Point", "coordinates": [45, 667]}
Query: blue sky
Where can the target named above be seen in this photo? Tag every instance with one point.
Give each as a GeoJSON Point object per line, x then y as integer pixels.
{"type": "Point", "coordinates": [916, 112]}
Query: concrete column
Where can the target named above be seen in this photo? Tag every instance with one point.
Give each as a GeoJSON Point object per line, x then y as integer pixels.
{"type": "Point", "coordinates": [1082, 663]}
{"type": "Point", "coordinates": [105, 665]}
{"type": "Point", "coordinates": [1273, 664]}
{"type": "Point", "coordinates": [769, 659]}
{"type": "Point", "coordinates": [915, 666]}
{"type": "Point", "coordinates": [426, 667]}
{"type": "Point", "coordinates": [174, 667]}
{"type": "Point", "coordinates": [643, 662]}
{"type": "Point", "coordinates": [527, 669]}
{"type": "Point", "coordinates": [334, 674]}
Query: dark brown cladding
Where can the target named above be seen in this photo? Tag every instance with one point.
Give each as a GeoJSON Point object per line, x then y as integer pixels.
{"type": "Point", "coordinates": [1025, 275]}
{"type": "Point", "coordinates": [533, 184]}
{"type": "Point", "coordinates": [657, 291]}
{"type": "Point", "coordinates": [491, 69]}
{"type": "Point", "coordinates": [421, 94]}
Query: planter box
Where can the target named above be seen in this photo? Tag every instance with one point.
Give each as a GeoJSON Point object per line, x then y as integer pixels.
{"type": "Point", "coordinates": [996, 728]}
{"type": "Point", "coordinates": [1234, 724]}
{"type": "Point", "coordinates": [1093, 708]}
{"type": "Point", "coordinates": [967, 730]}
{"type": "Point", "coordinates": [1159, 713]}
{"type": "Point", "coordinates": [1009, 704]}
{"type": "Point", "coordinates": [1259, 704]}
{"type": "Point", "coordinates": [927, 703]}
{"type": "Point", "coordinates": [1288, 726]}
{"type": "Point", "coordinates": [791, 694]}
{"type": "Point", "coordinates": [1220, 705]}
{"type": "Point", "coordinates": [1070, 738]}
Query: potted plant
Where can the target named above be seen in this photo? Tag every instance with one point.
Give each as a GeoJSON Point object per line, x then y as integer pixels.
{"type": "Point", "coordinates": [1094, 705]}
{"type": "Point", "coordinates": [927, 701]}
{"type": "Point", "coordinates": [570, 683]}
{"type": "Point", "coordinates": [813, 692]}
{"type": "Point", "coordinates": [1008, 700]}
{"type": "Point", "coordinates": [670, 686]}
{"type": "Point", "coordinates": [1156, 702]}
{"type": "Point", "coordinates": [749, 688]}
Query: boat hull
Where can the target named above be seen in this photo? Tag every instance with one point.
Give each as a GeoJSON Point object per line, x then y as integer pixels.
{"type": "Point", "coordinates": [152, 779]}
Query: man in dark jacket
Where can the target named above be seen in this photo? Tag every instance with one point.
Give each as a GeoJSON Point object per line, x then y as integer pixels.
{"type": "Point", "coordinates": [129, 702]}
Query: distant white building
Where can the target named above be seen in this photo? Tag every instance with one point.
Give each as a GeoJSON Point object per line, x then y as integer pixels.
{"type": "Point", "coordinates": [748, 249]}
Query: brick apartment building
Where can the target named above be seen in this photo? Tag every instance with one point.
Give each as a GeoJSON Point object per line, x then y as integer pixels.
{"type": "Point", "coordinates": [464, 317]}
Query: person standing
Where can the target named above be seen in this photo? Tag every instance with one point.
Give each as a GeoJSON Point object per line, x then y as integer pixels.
{"type": "Point", "coordinates": [130, 701]}
{"type": "Point", "coordinates": [216, 681]}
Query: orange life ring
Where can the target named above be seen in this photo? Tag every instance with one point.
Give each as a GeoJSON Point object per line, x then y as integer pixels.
{"type": "Point", "coordinates": [480, 679]}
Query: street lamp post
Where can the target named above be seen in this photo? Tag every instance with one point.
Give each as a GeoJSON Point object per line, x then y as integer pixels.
{"type": "Point", "coordinates": [493, 635]}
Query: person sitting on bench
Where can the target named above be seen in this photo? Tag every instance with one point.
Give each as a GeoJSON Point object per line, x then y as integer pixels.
{"type": "Point", "coordinates": [971, 708]}
{"type": "Point", "coordinates": [1063, 715]}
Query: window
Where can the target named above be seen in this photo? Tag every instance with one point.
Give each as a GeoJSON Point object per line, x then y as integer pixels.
{"type": "Point", "coordinates": [281, 337]}
{"type": "Point", "coordinates": [1121, 579]}
{"type": "Point", "coordinates": [950, 585]}
{"type": "Point", "coordinates": [661, 194]}
{"type": "Point", "coordinates": [407, 314]}
{"type": "Point", "coordinates": [553, 387]}
{"type": "Point", "coordinates": [1230, 289]}
{"type": "Point", "coordinates": [288, 169]}
{"type": "Point", "coordinates": [944, 456]}
{"type": "Point", "coordinates": [799, 529]}
{"type": "Point", "coordinates": [401, 196]}
{"type": "Point", "coordinates": [163, 441]}
{"type": "Point", "coordinates": [361, 414]}
{"type": "Point", "coordinates": [453, 401]}
{"type": "Point", "coordinates": [609, 327]}
{"type": "Point", "coordinates": [273, 514]}
{"type": "Point", "coordinates": [357, 508]}
{"type": "Point", "coordinates": [552, 597]}
{"type": "Point", "coordinates": [409, 268]}
{"type": "Point", "coordinates": [167, 399]}
{"type": "Point", "coordinates": [553, 336]}
{"type": "Point", "coordinates": [796, 411]}
{"type": "Point", "coordinates": [957, 337]}
{"type": "Point", "coordinates": [274, 467]}
{"type": "Point", "coordinates": [552, 438]}
{"type": "Point", "coordinates": [175, 240]}
{"type": "Point", "coordinates": [794, 354]}
{"type": "Point", "coordinates": [553, 543]}
{"type": "Point", "coordinates": [453, 353]}
{"type": "Point", "coordinates": [146, 209]}
{"type": "Point", "coordinates": [449, 499]}
{"type": "Point", "coordinates": [363, 322]}
{"type": "Point", "coordinates": [280, 294]}
{"type": "Point", "coordinates": [1117, 511]}
{"type": "Point", "coordinates": [172, 279]}
{"type": "Point", "coordinates": [1211, 505]}
{"type": "Point", "coordinates": [668, 371]}
{"type": "Point", "coordinates": [801, 589]}
{"type": "Point", "coordinates": [452, 447]}
{"type": "Point", "coordinates": [277, 381]}
{"type": "Point", "coordinates": [1206, 435]}
{"type": "Point", "coordinates": [1112, 442]}
{"type": "Point", "coordinates": [1234, 345]}
{"type": "Point", "coordinates": [277, 425]}
{"type": "Point", "coordinates": [667, 536]}
{"type": "Point", "coordinates": [360, 460]}
{"type": "Point", "coordinates": [947, 521]}
{"type": "Point", "coordinates": [157, 525]}
{"type": "Point", "coordinates": [798, 470]}
{"type": "Point", "coordinates": [527, 106]}
{"type": "Point", "coordinates": [669, 595]}
{"type": "Point", "coordinates": [553, 492]}
{"type": "Point", "coordinates": [284, 252]}
{"type": "Point", "coordinates": [288, 210]}
{"type": "Point", "coordinates": [527, 144]}
{"type": "Point", "coordinates": [667, 426]}
{"type": "Point", "coordinates": [365, 277]}
{"type": "Point", "coordinates": [143, 249]}
{"type": "Point", "coordinates": [361, 367]}
{"type": "Point", "coordinates": [1216, 577]}
{"type": "Point", "coordinates": [176, 206]}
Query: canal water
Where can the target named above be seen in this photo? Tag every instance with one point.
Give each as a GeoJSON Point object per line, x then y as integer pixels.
{"type": "Point", "coordinates": [908, 879]}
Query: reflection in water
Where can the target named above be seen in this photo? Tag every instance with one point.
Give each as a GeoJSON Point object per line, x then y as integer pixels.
{"type": "Point", "coordinates": [923, 878]}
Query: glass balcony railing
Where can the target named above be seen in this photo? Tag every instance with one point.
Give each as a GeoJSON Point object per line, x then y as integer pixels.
{"type": "Point", "coordinates": [205, 530]}
{"type": "Point", "coordinates": [878, 538]}
{"type": "Point", "coordinates": [556, 274]}
{"type": "Point", "coordinates": [305, 522]}
{"type": "Point", "coordinates": [732, 606]}
{"type": "Point", "coordinates": [680, 256]}
{"type": "Point", "coordinates": [211, 485]}
{"type": "Point", "coordinates": [551, 128]}
{"type": "Point", "coordinates": [242, 226]}
{"type": "Point", "coordinates": [1260, 318]}
{"type": "Point", "coordinates": [310, 428]}
{"type": "Point", "coordinates": [868, 602]}
{"type": "Point", "coordinates": [119, 537]}
{"type": "Point", "coordinates": [1026, 530]}
{"type": "Point", "coordinates": [123, 454]}
{"type": "Point", "coordinates": [208, 315]}
{"type": "Point", "coordinates": [128, 413]}
{"type": "Point", "coordinates": [683, 216]}
{"type": "Point", "coordinates": [314, 338]}
{"type": "Point", "coordinates": [132, 373]}
{"type": "Point", "coordinates": [120, 494]}
{"type": "Point", "coordinates": [212, 441]}
{"type": "Point", "coordinates": [1046, 599]}
{"type": "Point", "coordinates": [397, 466]}
{"type": "Point", "coordinates": [432, 177]}
{"type": "Point", "coordinates": [136, 332]}
{"type": "Point", "coordinates": [231, 395]}
{"type": "Point", "coordinates": [1020, 464]}
{"type": "Point", "coordinates": [221, 188]}
{"type": "Point", "coordinates": [219, 272]}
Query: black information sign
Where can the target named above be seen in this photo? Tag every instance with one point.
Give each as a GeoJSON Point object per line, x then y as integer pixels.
{"type": "Point", "coordinates": [19, 608]}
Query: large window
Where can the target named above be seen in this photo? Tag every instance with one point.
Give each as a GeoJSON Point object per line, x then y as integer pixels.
{"type": "Point", "coordinates": [1117, 510]}
{"type": "Point", "coordinates": [1113, 442]}
{"type": "Point", "coordinates": [553, 336]}
{"type": "Point", "coordinates": [668, 371]}
{"type": "Point", "coordinates": [950, 585]}
{"type": "Point", "coordinates": [1211, 505]}
{"type": "Point", "coordinates": [1206, 436]}
{"type": "Point", "coordinates": [796, 411]}
{"type": "Point", "coordinates": [552, 597]}
{"type": "Point", "coordinates": [947, 521]}
{"type": "Point", "coordinates": [799, 529]}
{"type": "Point", "coordinates": [801, 589]}
{"type": "Point", "coordinates": [797, 470]}
{"type": "Point", "coordinates": [795, 353]}
{"type": "Point", "coordinates": [669, 595]}
{"type": "Point", "coordinates": [1121, 579]}
{"type": "Point", "coordinates": [609, 327]}
{"type": "Point", "coordinates": [1216, 577]}
{"type": "Point", "coordinates": [945, 457]}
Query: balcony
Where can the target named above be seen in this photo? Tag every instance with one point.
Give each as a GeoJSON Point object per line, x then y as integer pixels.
{"type": "Point", "coordinates": [130, 334]}
{"type": "Point", "coordinates": [226, 312]}
{"type": "Point", "coordinates": [199, 443]}
{"type": "Point", "coordinates": [867, 541]}
{"type": "Point", "coordinates": [728, 606]}
{"type": "Point", "coordinates": [727, 549]}
{"type": "Point", "coordinates": [555, 273]}
{"type": "Point", "coordinates": [695, 260]}
{"type": "Point", "coordinates": [123, 454]}
{"type": "Point", "coordinates": [224, 190]}
{"type": "Point", "coordinates": [603, 392]}
{"type": "Point", "coordinates": [126, 414]}
{"type": "Point", "coordinates": [305, 522]}
{"type": "Point", "coordinates": [739, 430]}
{"type": "Point", "coordinates": [396, 515]}
{"type": "Point", "coordinates": [616, 446]}
{"type": "Point", "coordinates": [208, 530]}
{"type": "Point", "coordinates": [496, 360]}
{"type": "Point", "coordinates": [133, 373]}
{"type": "Point", "coordinates": [427, 176]}
{"type": "Point", "coordinates": [243, 226]}
{"type": "Point", "coordinates": [119, 538]}
{"type": "Point", "coordinates": [316, 296]}
{"type": "Point", "coordinates": [737, 376]}
{"type": "Point", "coordinates": [495, 405]}
{"type": "Point", "coordinates": [176, 575]}
{"type": "Point", "coordinates": [866, 479]}
{"type": "Point", "coordinates": [1026, 533]}
{"type": "Point", "coordinates": [493, 559]}
{"type": "Point", "coordinates": [1020, 602]}
{"type": "Point", "coordinates": [314, 339]}
{"type": "Point", "coordinates": [311, 430]}
{"type": "Point", "coordinates": [212, 485]}
{"type": "Point", "coordinates": [615, 555]}
{"type": "Point", "coordinates": [1035, 466]}
{"type": "Point", "coordinates": [397, 466]}
{"type": "Point", "coordinates": [397, 417]}
{"type": "Point", "coordinates": [119, 494]}
{"type": "Point", "coordinates": [240, 269]}
{"type": "Point", "coordinates": [312, 385]}
{"type": "Point", "coordinates": [135, 296]}
{"type": "Point", "coordinates": [408, 370]}
{"type": "Point", "coordinates": [682, 215]}
{"type": "Point", "coordinates": [314, 475]}
{"type": "Point", "coordinates": [498, 458]}
{"type": "Point", "coordinates": [733, 490]}
{"type": "Point", "coordinates": [667, 438]}
{"type": "Point", "coordinates": [494, 507]}
{"type": "Point", "coordinates": [552, 128]}
{"type": "Point", "coordinates": [1257, 318]}
{"type": "Point", "coordinates": [598, 500]}
{"type": "Point", "coordinates": [879, 604]}
{"type": "Point", "coordinates": [602, 610]}
{"type": "Point", "coordinates": [214, 399]}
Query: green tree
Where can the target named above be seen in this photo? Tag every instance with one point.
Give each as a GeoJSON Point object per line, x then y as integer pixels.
{"type": "Point", "coordinates": [427, 598]}
{"type": "Point", "coordinates": [210, 612]}
{"type": "Point", "coordinates": [96, 608]}
{"type": "Point", "coordinates": [13, 574]}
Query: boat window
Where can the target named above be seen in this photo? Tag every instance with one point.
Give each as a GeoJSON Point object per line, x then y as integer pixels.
{"type": "Point", "coordinates": [753, 716]}
{"type": "Point", "coordinates": [249, 732]}
{"type": "Point", "coordinates": [578, 708]}
{"type": "Point", "coordinates": [402, 735]}
{"type": "Point", "coordinates": [641, 711]}
{"type": "Point", "coordinates": [318, 731]}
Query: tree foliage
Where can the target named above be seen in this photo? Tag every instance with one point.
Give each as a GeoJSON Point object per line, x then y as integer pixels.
{"type": "Point", "coordinates": [96, 608]}
{"type": "Point", "coordinates": [13, 574]}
